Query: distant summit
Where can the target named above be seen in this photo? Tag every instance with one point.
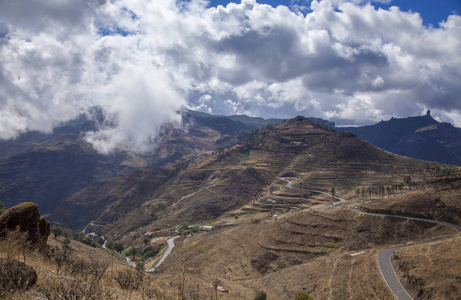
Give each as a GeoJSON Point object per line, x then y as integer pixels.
{"type": "Point", "coordinates": [418, 137]}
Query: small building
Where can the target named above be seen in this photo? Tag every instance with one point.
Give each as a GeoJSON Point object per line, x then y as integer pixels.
{"type": "Point", "coordinates": [222, 289]}
{"type": "Point", "coordinates": [149, 233]}
{"type": "Point", "coordinates": [206, 227]}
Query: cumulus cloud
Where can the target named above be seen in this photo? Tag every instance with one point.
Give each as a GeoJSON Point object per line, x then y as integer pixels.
{"type": "Point", "coordinates": [144, 60]}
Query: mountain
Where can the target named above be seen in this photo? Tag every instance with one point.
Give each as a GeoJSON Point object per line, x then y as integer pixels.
{"type": "Point", "coordinates": [274, 226]}
{"type": "Point", "coordinates": [230, 179]}
{"type": "Point", "coordinates": [47, 168]}
{"type": "Point", "coordinates": [418, 137]}
{"type": "Point", "coordinates": [241, 122]}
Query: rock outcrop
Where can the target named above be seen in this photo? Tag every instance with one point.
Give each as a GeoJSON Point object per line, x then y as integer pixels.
{"type": "Point", "coordinates": [27, 219]}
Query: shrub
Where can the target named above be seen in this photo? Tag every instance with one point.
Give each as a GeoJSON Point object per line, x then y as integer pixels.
{"type": "Point", "coordinates": [110, 245]}
{"type": "Point", "coordinates": [56, 230]}
{"type": "Point", "coordinates": [78, 236]}
{"type": "Point", "coordinates": [302, 296]}
{"type": "Point", "coordinates": [68, 288]}
{"type": "Point", "coordinates": [87, 270]}
{"type": "Point", "coordinates": [118, 247]}
{"type": "Point", "coordinates": [149, 252]}
{"type": "Point", "coordinates": [89, 241]}
{"type": "Point", "coordinates": [15, 275]}
{"type": "Point", "coordinates": [261, 295]}
{"type": "Point", "coordinates": [130, 279]}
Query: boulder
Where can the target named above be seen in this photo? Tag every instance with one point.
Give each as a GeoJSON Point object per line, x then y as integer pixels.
{"type": "Point", "coordinates": [27, 219]}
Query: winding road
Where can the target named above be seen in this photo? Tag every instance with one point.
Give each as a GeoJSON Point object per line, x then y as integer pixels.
{"type": "Point", "coordinates": [170, 243]}
{"type": "Point", "coordinates": [131, 263]}
{"type": "Point", "coordinates": [384, 257]}
{"type": "Point", "coordinates": [290, 185]}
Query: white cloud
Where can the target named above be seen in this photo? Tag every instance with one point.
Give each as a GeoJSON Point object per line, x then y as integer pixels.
{"type": "Point", "coordinates": [143, 60]}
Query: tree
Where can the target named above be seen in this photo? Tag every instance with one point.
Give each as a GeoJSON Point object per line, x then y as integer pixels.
{"type": "Point", "coordinates": [146, 240]}
{"type": "Point", "coordinates": [407, 180]}
{"type": "Point", "coordinates": [357, 193]}
{"type": "Point", "coordinates": [110, 245]}
{"type": "Point", "coordinates": [78, 236]}
{"type": "Point", "coordinates": [333, 191]}
{"type": "Point", "coordinates": [131, 251]}
{"type": "Point", "coordinates": [221, 151]}
{"type": "Point", "coordinates": [65, 244]}
{"type": "Point", "coordinates": [2, 208]}
{"type": "Point", "coordinates": [302, 296]}
{"type": "Point", "coordinates": [87, 240]}
{"type": "Point", "coordinates": [261, 295]}
{"type": "Point", "coordinates": [56, 230]}
{"type": "Point", "coordinates": [216, 283]}
{"type": "Point", "coordinates": [118, 247]}
{"type": "Point", "coordinates": [100, 241]}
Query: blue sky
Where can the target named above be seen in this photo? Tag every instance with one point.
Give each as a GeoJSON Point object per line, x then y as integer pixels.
{"type": "Point", "coordinates": [432, 11]}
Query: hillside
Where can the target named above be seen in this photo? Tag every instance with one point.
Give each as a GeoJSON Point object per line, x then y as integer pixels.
{"type": "Point", "coordinates": [246, 174]}
{"type": "Point", "coordinates": [274, 226]}
{"type": "Point", "coordinates": [241, 122]}
{"type": "Point", "coordinates": [330, 252]}
{"type": "Point", "coordinates": [417, 137]}
{"type": "Point", "coordinates": [48, 168]}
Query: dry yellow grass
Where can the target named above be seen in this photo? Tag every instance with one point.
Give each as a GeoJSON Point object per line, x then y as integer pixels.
{"type": "Point", "coordinates": [431, 270]}
{"type": "Point", "coordinates": [56, 282]}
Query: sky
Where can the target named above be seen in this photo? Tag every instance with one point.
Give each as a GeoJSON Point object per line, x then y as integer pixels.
{"type": "Point", "coordinates": [354, 62]}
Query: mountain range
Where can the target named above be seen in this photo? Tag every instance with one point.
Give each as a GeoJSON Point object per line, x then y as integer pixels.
{"type": "Point", "coordinates": [267, 191]}
{"type": "Point", "coordinates": [61, 166]}
{"type": "Point", "coordinates": [419, 137]}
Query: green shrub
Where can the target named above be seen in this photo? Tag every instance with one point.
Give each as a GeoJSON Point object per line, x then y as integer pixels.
{"type": "Point", "coordinates": [56, 230]}
{"type": "Point", "coordinates": [302, 296]}
{"type": "Point", "coordinates": [261, 295]}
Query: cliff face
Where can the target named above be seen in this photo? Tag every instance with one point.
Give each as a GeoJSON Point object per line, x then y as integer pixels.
{"type": "Point", "coordinates": [440, 142]}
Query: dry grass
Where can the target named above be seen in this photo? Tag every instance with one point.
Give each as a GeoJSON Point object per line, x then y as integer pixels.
{"type": "Point", "coordinates": [87, 273]}
{"type": "Point", "coordinates": [431, 270]}
{"type": "Point", "coordinates": [438, 200]}
{"type": "Point", "coordinates": [307, 251]}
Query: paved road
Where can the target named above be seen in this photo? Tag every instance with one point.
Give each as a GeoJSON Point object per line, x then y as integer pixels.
{"type": "Point", "coordinates": [384, 257]}
{"type": "Point", "coordinates": [456, 227]}
{"type": "Point", "coordinates": [389, 275]}
{"type": "Point", "coordinates": [170, 243]}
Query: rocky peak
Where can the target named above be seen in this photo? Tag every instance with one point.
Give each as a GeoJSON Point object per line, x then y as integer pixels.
{"type": "Point", "coordinates": [27, 219]}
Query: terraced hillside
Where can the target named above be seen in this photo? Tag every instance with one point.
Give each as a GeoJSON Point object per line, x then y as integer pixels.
{"type": "Point", "coordinates": [243, 180]}
{"type": "Point", "coordinates": [275, 226]}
